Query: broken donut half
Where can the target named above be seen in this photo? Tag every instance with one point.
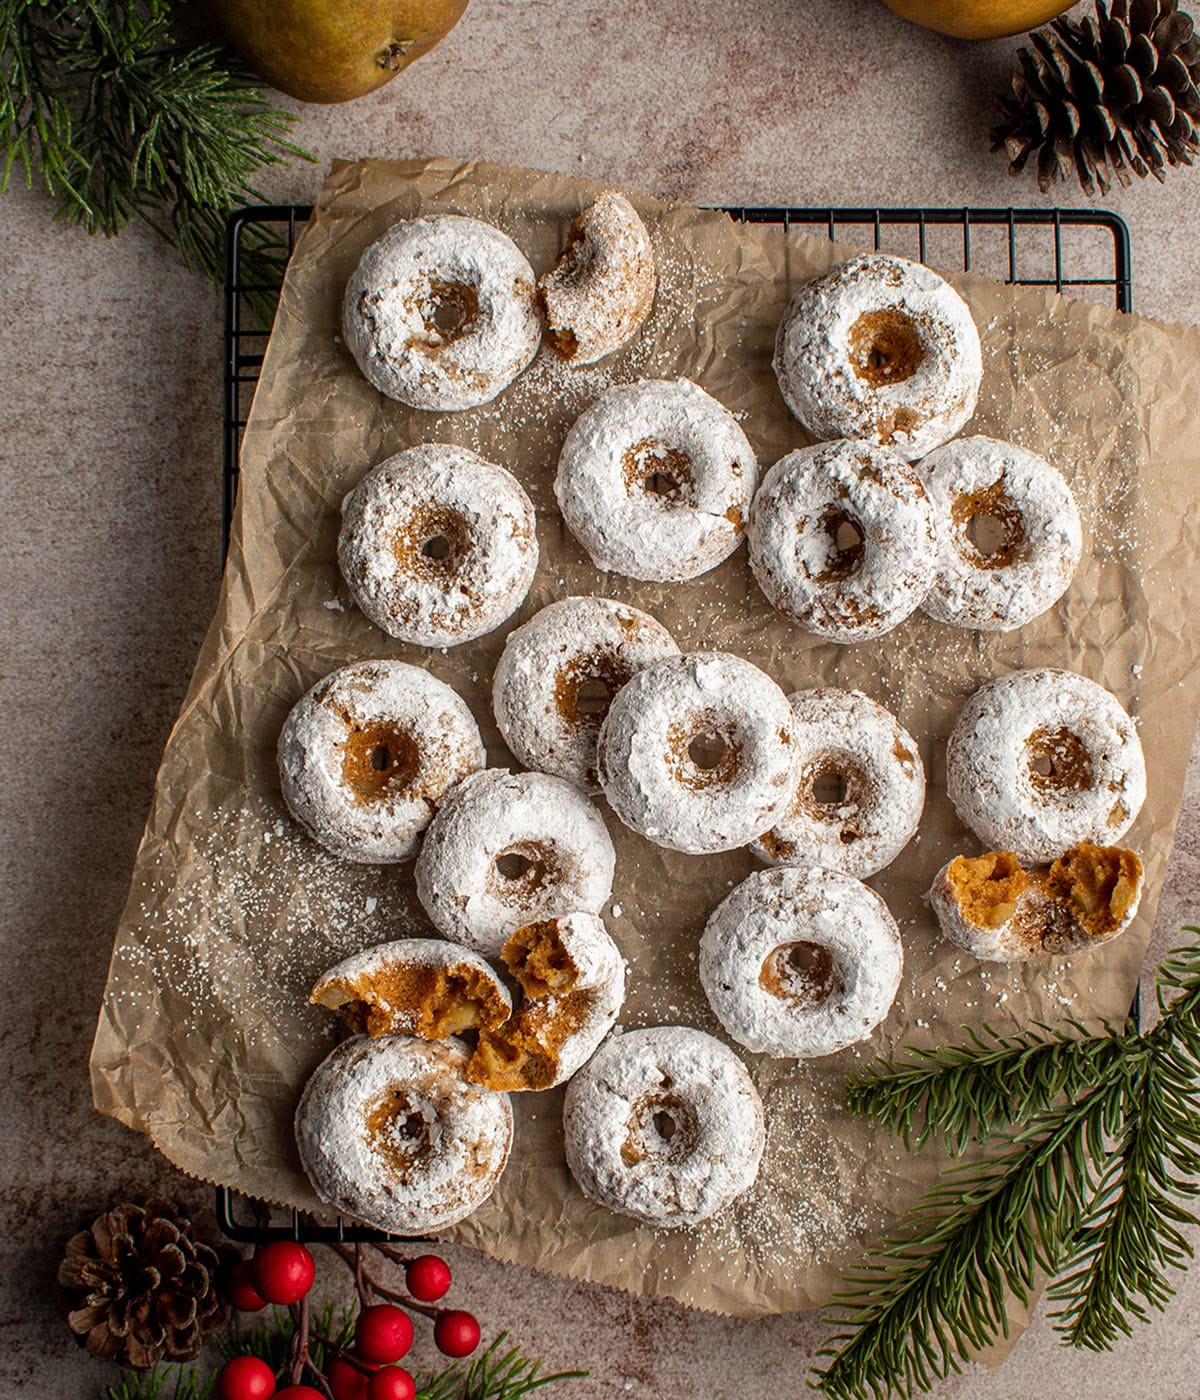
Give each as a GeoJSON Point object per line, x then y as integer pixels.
{"type": "Point", "coordinates": [1003, 911]}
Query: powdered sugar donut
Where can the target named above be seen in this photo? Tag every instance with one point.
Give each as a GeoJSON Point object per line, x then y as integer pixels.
{"type": "Point", "coordinates": [843, 539]}
{"type": "Point", "coordinates": [572, 979]}
{"type": "Point", "coordinates": [437, 545]}
{"type": "Point", "coordinates": [368, 753]}
{"type": "Point", "coordinates": [391, 1132]}
{"type": "Point", "coordinates": [557, 677]}
{"type": "Point", "coordinates": [441, 312]}
{"type": "Point", "coordinates": [995, 908]}
{"type": "Point", "coordinates": [655, 480]}
{"type": "Point", "coordinates": [996, 585]}
{"type": "Point", "coordinates": [1042, 760]}
{"type": "Point", "coordinates": [800, 962]}
{"type": "Point", "coordinates": [664, 1125]}
{"type": "Point", "coordinates": [506, 849]}
{"type": "Point", "coordinates": [880, 348]}
{"type": "Point", "coordinates": [415, 986]}
{"type": "Point", "coordinates": [601, 289]}
{"type": "Point", "coordinates": [860, 792]}
{"type": "Point", "coordinates": [698, 753]}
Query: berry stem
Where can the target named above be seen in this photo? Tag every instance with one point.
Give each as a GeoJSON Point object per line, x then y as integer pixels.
{"type": "Point", "coordinates": [367, 1285]}
{"type": "Point", "coordinates": [301, 1317]}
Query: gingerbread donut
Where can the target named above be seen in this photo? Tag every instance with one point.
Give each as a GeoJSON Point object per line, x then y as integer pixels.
{"type": "Point", "coordinates": [391, 1132]}
{"type": "Point", "coordinates": [655, 481]}
{"type": "Point", "coordinates": [601, 289]}
{"type": "Point", "coordinates": [437, 545]}
{"type": "Point", "coordinates": [800, 962]}
{"type": "Point", "coordinates": [1002, 911]}
{"type": "Point", "coordinates": [880, 348]}
{"type": "Point", "coordinates": [558, 675]}
{"type": "Point", "coordinates": [506, 849]}
{"type": "Point", "coordinates": [996, 585]}
{"type": "Point", "coordinates": [843, 539]}
{"type": "Point", "coordinates": [861, 789]}
{"type": "Point", "coordinates": [664, 1125]}
{"type": "Point", "coordinates": [441, 313]}
{"type": "Point", "coordinates": [1039, 761]}
{"type": "Point", "coordinates": [366, 756]}
{"type": "Point", "coordinates": [698, 753]}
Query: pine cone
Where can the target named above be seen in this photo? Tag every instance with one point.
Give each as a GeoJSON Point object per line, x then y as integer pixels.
{"type": "Point", "coordinates": [1112, 94]}
{"type": "Point", "coordinates": [142, 1288]}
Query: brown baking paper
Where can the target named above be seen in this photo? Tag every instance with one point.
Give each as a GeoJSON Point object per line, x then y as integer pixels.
{"type": "Point", "coordinates": [205, 1037]}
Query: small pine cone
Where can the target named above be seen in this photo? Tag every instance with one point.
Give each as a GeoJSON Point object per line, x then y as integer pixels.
{"type": "Point", "coordinates": [1117, 94]}
{"type": "Point", "coordinates": [141, 1287]}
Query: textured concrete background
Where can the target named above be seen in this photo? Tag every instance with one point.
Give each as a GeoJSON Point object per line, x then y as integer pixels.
{"type": "Point", "coordinates": [110, 358]}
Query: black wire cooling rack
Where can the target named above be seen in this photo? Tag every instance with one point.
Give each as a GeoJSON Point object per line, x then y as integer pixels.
{"type": "Point", "coordinates": [1084, 252]}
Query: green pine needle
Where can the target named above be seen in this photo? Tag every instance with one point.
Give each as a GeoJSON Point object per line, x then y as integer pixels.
{"type": "Point", "coordinates": [495, 1374]}
{"type": "Point", "coordinates": [120, 118]}
{"type": "Point", "coordinates": [1100, 1148]}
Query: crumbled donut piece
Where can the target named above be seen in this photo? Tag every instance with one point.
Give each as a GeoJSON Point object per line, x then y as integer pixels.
{"type": "Point", "coordinates": [415, 986]}
{"type": "Point", "coordinates": [1003, 911]}
{"type": "Point", "coordinates": [601, 289]}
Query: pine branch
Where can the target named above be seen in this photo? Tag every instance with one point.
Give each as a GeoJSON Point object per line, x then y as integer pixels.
{"type": "Point", "coordinates": [121, 120]}
{"type": "Point", "coordinates": [1089, 1185]}
{"type": "Point", "coordinates": [162, 1383]}
{"type": "Point", "coordinates": [969, 1093]}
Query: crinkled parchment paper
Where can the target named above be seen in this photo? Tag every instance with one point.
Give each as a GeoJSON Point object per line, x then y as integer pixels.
{"type": "Point", "coordinates": [205, 1037]}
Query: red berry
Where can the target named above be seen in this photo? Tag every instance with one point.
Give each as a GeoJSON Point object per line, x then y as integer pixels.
{"type": "Point", "coordinates": [298, 1392]}
{"type": "Point", "coordinates": [392, 1383]}
{"type": "Point", "coordinates": [346, 1381]}
{"type": "Point", "coordinates": [242, 1292]}
{"type": "Point", "coordinates": [383, 1333]}
{"type": "Point", "coordinates": [283, 1272]}
{"type": "Point", "coordinates": [456, 1333]}
{"type": "Point", "coordinates": [245, 1378]}
{"type": "Point", "coordinates": [427, 1277]}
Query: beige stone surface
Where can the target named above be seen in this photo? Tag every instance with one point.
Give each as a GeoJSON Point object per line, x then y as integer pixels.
{"type": "Point", "coordinates": [110, 358]}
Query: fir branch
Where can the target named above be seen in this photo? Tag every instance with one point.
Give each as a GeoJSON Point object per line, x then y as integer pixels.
{"type": "Point", "coordinates": [493, 1375]}
{"type": "Point", "coordinates": [1089, 1185]}
{"type": "Point", "coordinates": [177, 1382]}
{"type": "Point", "coordinates": [121, 119]}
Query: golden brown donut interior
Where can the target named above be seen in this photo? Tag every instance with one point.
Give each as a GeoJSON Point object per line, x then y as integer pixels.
{"type": "Point", "coordinates": [413, 999]}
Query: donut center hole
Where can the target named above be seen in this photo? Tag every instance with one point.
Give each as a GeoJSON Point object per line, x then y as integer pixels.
{"type": "Point", "coordinates": [845, 546]}
{"type": "Point", "coordinates": [662, 1129]}
{"type": "Point", "coordinates": [990, 525]}
{"type": "Point", "coordinates": [885, 347]}
{"type": "Point", "coordinates": [433, 545]}
{"type": "Point", "coordinates": [522, 869]}
{"type": "Point", "coordinates": [378, 760]}
{"type": "Point", "coordinates": [707, 751]}
{"type": "Point", "coordinates": [584, 687]}
{"type": "Point", "coordinates": [449, 312]}
{"type": "Point", "coordinates": [802, 973]}
{"type": "Point", "coordinates": [703, 753]}
{"type": "Point", "coordinates": [398, 1129]}
{"type": "Point", "coordinates": [829, 788]}
{"type": "Point", "coordinates": [659, 471]}
{"type": "Point", "coordinates": [1059, 761]}
{"type": "Point", "coordinates": [593, 697]}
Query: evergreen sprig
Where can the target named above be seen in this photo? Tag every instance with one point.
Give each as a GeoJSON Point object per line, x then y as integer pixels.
{"type": "Point", "coordinates": [122, 117]}
{"type": "Point", "coordinates": [1100, 1150]}
{"type": "Point", "coordinates": [496, 1374]}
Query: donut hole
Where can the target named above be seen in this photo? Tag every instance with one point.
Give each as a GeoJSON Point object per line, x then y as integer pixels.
{"type": "Point", "coordinates": [522, 869]}
{"type": "Point", "coordinates": [885, 347]}
{"type": "Point", "coordinates": [803, 973]}
{"type": "Point", "coordinates": [449, 311]}
{"type": "Point", "coordinates": [433, 545]}
{"type": "Point", "coordinates": [830, 788]}
{"type": "Point", "coordinates": [1058, 761]}
{"type": "Point", "coordinates": [662, 1129]}
{"type": "Point", "coordinates": [659, 472]}
{"type": "Point", "coordinates": [593, 697]}
{"type": "Point", "coordinates": [990, 526]}
{"type": "Point", "coordinates": [703, 752]}
{"type": "Point", "coordinates": [399, 1129]}
{"type": "Point", "coordinates": [379, 760]}
{"type": "Point", "coordinates": [845, 543]}
{"type": "Point", "coordinates": [584, 688]}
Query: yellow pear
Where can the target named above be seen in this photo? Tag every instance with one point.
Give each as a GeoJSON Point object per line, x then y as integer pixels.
{"type": "Point", "coordinates": [979, 19]}
{"type": "Point", "coordinates": [334, 50]}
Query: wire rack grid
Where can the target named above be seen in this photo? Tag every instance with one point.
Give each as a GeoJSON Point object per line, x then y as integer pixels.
{"type": "Point", "coordinates": [1083, 252]}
